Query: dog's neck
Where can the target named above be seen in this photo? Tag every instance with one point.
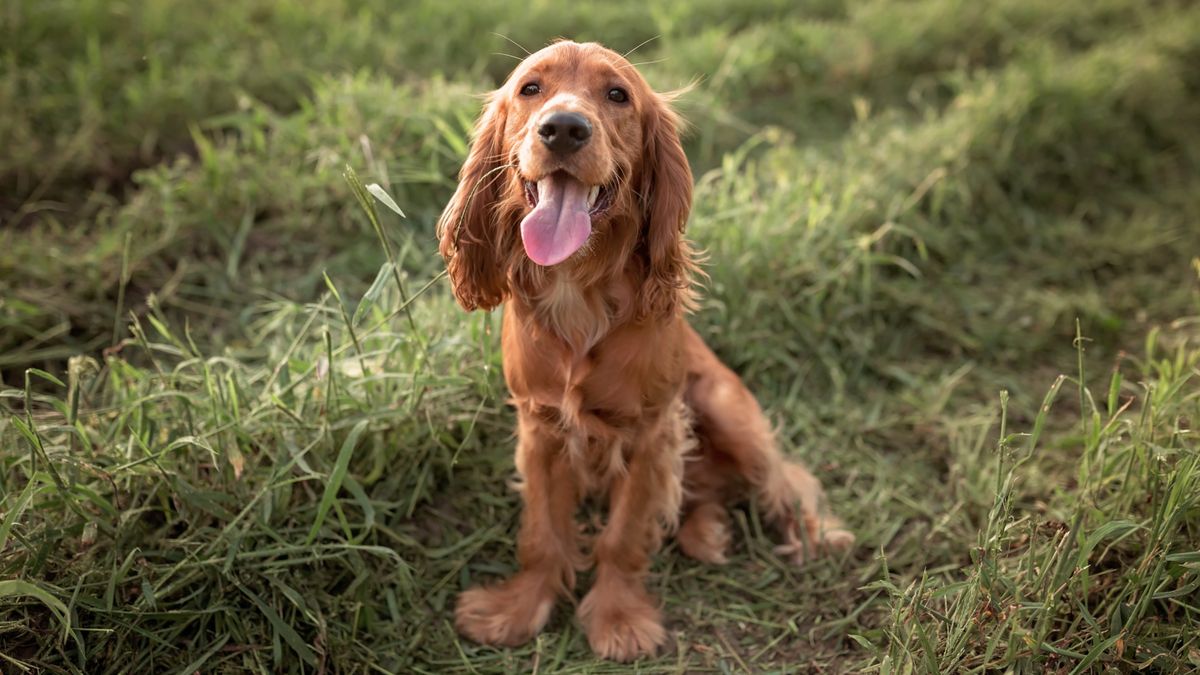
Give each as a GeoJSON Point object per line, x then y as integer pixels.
{"type": "Point", "coordinates": [583, 301]}
{"type": "Point", "coordinates": [581, 316]}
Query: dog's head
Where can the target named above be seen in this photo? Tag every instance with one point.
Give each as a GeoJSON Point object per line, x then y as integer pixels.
{"type": "Point", "coordinates": [574, 158]}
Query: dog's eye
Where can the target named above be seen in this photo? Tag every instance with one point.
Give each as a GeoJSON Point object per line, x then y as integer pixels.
{"type": "Point", "coordinates": [617, 95]}
{"type": "Point", "coordinates": [531, 89]}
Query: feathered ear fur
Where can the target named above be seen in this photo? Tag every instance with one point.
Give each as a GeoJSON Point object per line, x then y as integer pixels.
{"type": "Point", "coordinates": [666, 191]}
{"type": "Point", "coordinates": [467, 228]}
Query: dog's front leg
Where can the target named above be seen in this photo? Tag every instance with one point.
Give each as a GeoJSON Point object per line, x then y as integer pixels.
{"type": "Point", "coordinates": [513, 611]}
{"type": "Point", "coordinates": [620, 617]}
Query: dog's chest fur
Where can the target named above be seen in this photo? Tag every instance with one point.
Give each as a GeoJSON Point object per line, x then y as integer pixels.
{"type": "Point", "coordinates": [585, 370]}
{"type": "Point", "coordinates": [579, 317]}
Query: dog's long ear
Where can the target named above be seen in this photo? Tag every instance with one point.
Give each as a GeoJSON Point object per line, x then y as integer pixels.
{"type": "Point", "coordinates": [666, 191]}
{"type": "Point", "coordinates": [468, 229]}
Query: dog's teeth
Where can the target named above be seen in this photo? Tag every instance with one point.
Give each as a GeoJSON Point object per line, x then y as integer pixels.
{"type": "Point", "coordinates": [595, 192]}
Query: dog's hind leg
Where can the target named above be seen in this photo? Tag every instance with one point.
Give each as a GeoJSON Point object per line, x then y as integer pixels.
{"type": "Point", "coordinates": [737, 449]}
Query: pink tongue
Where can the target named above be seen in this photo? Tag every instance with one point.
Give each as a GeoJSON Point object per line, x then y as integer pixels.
{"type": "Point", "coordinates": [559, 225]}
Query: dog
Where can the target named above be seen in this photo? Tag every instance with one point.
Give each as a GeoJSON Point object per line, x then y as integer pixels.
{"type": "Point", "coordinates": [570, 209]}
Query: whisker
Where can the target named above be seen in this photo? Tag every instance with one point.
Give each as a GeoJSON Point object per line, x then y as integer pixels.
{"type": "Point", "coordinates": [515, 58]}
{"type": "Point", "coordinates": [633, 66]}
{"type": "Point", "coordinates": [643, 44]}
{"type": "Point", "coordinates": [518, 44]}
{"type": "Point", "coordinates": [498, 155]}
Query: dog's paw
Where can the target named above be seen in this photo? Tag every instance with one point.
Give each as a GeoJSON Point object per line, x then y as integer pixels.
{"type": "Point", "coordinates": [799, 549]}
{"type": "Point", "coordinates": [705, 534]}
{"type": "Point", "coordinates": [621, 626]}
{"type": "Point", "coordinates": [837, 541]}
{"type": "Point", "coordinates": [509, 613]}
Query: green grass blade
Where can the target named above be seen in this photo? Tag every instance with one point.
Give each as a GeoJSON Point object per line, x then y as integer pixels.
{"type": "Point", "coordinates": [334, 484]}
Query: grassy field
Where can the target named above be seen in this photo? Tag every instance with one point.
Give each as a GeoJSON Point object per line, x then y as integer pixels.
{"type": "Point", "coordinates": [954, 247]}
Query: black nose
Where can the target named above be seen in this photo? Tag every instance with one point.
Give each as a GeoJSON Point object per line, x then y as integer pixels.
{"type": "Point", "coordinates": [565, 132]}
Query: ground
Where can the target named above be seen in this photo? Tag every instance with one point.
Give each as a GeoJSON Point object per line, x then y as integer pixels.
{"type": "Point", "coordinates": [952, 246]}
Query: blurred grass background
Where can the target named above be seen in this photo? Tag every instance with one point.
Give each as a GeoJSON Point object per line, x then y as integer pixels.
{"type": "Point", "coordinates": [953, 246]}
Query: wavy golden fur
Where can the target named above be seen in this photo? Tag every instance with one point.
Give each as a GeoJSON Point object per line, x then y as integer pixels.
{"type": "Point", "coordinates": [617, 397]}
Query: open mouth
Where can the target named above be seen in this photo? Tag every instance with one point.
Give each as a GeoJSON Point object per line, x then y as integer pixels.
{"type": "Point", "coordinates": [561, 220]}
{"type": "Point", "coordinates": [599, 197]}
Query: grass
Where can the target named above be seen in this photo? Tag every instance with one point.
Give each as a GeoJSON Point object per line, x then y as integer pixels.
{"type": "Point", "coordinates": [952, 247]}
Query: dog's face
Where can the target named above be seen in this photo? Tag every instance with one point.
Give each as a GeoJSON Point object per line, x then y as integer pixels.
{"type": "Point", "coordinates": [573, 146]}
{"type": "Point", "coordinates": [575, 121]}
